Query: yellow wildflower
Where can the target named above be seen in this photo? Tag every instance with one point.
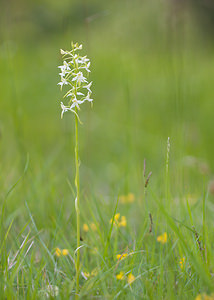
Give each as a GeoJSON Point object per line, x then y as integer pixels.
{"type": "Point", "coordinates": [130, 278]}
{"type": "Point", "coordinates": [162, 238]}
{"type": "Point", "coordinates": [120, 222]}
{"type": "Point", "coordinates": [121, 256]}
{"type": "Point", "coordinates": [65, 252]}
{"type": "Point", "coordinates": [86, 274]}
{"type": "Point", "coordinates": [130, 198]}
{"type": "Point", "coordinates": [117, 216]}
{"type": "Point", "coordinates": [120, 276]}
{"type": "Point", "coordinates": [182, 262]}
{"type": "Point", "coordinates": [58, 252]}
{"type": "Point", "coordinates": [93, 227]}
{"type": "Point", "coordinates": [85, 228]}
{"type": "Point", "coordinates": [204, 297]}
{"type": "Point", "coordinates": [123, 222]}
{"type": "Point", "coordinates": [94, 272]}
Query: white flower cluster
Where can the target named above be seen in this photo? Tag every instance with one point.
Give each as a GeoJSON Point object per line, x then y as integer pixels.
{"type": "Point", "coordinates": [72, 74]}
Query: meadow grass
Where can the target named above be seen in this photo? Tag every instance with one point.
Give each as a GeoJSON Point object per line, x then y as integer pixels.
{"type": "Point", "coordinates": [137, 242]}
{"type": "Point", "coordinates": [168, 254]}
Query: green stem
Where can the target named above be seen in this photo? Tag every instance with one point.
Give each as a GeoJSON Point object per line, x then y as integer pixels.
{"type": "Point", "coordinates": [77, 183]}
{"type": "Point", "coordinates": [167, 173]}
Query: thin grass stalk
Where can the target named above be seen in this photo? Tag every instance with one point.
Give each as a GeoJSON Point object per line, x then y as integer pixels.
{"type": "Point", "coordinates": [167, 173]}
{"type": "Point", "coordinates": [204, 227]}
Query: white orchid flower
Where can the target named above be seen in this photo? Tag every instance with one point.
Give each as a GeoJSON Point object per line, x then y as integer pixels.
{"type": "Point", "coordinates": [72, 73]}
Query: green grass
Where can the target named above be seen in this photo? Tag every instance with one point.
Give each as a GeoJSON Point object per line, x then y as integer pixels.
{"type": "Point", "coordinates": [150, 81]}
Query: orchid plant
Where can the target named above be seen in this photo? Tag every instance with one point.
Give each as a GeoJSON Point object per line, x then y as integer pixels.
{"type": "Point", "coordinates": [72, 74]}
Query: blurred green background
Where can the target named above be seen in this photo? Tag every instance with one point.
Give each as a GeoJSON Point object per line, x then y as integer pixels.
{"type": "Point", "coordinates": [152, 66]}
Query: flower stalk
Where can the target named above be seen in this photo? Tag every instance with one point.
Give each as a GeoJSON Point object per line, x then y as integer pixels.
{"type": "Point", "coordinates": [77, 183]}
